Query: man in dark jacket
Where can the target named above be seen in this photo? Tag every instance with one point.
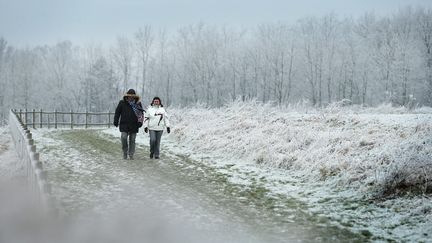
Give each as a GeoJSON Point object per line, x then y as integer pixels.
{"type": "Point", "coordinates": [131, 114]}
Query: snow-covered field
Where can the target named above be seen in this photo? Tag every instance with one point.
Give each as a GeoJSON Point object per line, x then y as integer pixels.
{"type": "Point", "coordinates": [366, 169]}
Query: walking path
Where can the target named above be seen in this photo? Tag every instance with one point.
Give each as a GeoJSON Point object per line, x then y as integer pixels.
{"type": "Point", "coordinates": [168, 200]}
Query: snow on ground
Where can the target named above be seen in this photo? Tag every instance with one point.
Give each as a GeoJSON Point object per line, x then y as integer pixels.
{"type": "Point", "coordinates": [9, 166]}
{"type": "Point", "coordinates": [95, 186]}
{"type": "Point", "coordinates": [367, 169]}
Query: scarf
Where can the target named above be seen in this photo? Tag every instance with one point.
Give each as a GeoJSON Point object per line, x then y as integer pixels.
{"type": "Point", "coordinates": [139, 112]}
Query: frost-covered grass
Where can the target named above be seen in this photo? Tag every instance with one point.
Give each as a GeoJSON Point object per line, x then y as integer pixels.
{"type": "Point", "coordinates": [366, 168]}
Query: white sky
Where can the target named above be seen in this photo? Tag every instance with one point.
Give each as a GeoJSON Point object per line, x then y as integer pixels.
{"type": "Point", "coordinates": [30, 22]}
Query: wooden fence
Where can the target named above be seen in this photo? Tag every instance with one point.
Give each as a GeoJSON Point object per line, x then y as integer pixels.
{"type": "Point", "coordinates": [55, 119]}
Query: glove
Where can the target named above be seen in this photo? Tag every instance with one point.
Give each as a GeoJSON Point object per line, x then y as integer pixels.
{"type": "Point", "coordinates": [145, 129]}
{"type": "Point", "coordinates": [139, 124]}
{"type": "Point", "coordinates": [168, 130]}
{"type": "Point", "coordinates": [115, 124]}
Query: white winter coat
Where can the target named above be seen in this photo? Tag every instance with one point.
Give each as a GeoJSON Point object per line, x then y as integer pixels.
{"type": "Point", "coordinates": [156, 118]}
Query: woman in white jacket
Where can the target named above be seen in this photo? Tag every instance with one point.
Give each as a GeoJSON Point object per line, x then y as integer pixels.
{"type": "Point", "coordinates": [155, 120]}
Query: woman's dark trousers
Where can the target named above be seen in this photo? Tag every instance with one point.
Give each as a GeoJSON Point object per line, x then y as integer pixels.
{"type": "Point", "coordinates": [128, 149]}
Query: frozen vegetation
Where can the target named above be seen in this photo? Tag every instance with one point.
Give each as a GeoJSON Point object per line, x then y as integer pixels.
{"type": "Point", "coordinates": [368, 169]}
{"type": "Point", "coordinates": [370, 60]}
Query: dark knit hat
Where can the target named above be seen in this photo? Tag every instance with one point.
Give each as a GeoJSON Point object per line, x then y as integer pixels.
{"type": "Point", "coordinates": [131, 91]}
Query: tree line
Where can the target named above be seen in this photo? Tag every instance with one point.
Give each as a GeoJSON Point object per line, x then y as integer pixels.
{"type": "Point", "coordinates": [368, 60]}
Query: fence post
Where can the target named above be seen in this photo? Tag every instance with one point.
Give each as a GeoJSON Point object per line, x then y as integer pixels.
{"type": "Point", "coordinates": [55, 119]}
{"type": "Point", "coordinates": [86, 119]}
{"type": "Point", "coordinates": [109, 119]}
{"type": "Point", "coordinates": [34, 118]}
{"type": "Point", "coordinates": [71, 118]}
{"type": "Point", "coordinates": [40, 118]}
{"type": "Point", "coordinates": [25, 117]}
{"type": "Point", "coordinates": [20, 114]}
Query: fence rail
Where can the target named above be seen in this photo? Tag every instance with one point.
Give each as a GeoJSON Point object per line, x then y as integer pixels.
{"type": "Point", "coordinates": [55, 119]}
